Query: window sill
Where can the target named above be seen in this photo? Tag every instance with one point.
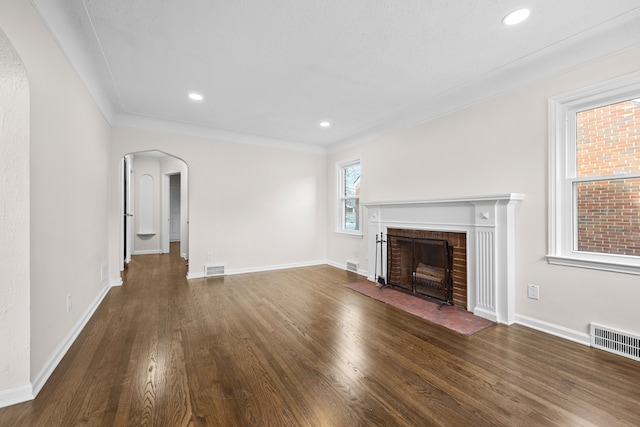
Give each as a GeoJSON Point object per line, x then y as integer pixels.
{"type": "Point", "coordinates": [357, 234]}
{"type": "Point", "coordinates": [613, 265]}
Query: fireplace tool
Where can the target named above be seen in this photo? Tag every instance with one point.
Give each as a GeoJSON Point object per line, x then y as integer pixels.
{"type": "Point", "coordinates": [381, 280]}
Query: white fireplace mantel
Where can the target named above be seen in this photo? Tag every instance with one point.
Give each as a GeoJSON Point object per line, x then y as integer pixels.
{"type": "Point", "coordinates": [489, 224]}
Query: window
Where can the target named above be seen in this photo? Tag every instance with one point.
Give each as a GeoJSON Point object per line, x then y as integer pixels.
{"type": "Point", "coordinates": [348, 216]}
{"type": "Point", "coordinates": [595, 177]}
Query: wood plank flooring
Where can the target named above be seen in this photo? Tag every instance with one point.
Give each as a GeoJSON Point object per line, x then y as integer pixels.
{"type": "Point", "coordinates": [296, 348]}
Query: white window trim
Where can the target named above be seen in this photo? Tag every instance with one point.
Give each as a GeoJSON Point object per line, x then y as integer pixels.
{"type": "Point", "coordinates": [338, 211]}
{"type": "Point", "coordinates": [561, 163]}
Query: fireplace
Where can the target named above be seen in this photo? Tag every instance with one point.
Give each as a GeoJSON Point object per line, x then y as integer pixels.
{"type": "Point", "coordinates": [486, 283]}
{"type": "Point", "coordinates": [429, 264]}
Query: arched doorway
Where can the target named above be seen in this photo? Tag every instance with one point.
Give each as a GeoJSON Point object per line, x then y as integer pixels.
{"type": "Point", "coordinates": [15, 341]}
{"type": "Point", "coordinates": [151, 220]}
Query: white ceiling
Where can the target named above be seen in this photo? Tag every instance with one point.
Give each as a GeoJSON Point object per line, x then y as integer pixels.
{"type": "Point", "coordinates": [270, 71]}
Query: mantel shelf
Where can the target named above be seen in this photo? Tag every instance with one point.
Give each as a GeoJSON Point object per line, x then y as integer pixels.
{"type": "Point", "coordinates": [448, 200]}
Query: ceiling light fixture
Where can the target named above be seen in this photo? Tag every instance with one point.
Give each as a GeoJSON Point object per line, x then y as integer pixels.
{"type": "Point", "coordinates": [195, 96]}
{"type": "Point", "coordinates": [516, 17]}
{"type": "Point", "coordinates": [325, 124]}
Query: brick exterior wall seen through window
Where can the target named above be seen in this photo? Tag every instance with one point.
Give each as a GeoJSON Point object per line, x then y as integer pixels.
{"type": "Point", "coordinates": [607, 143]}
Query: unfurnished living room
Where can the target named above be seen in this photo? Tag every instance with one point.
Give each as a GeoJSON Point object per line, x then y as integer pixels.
{"type": "Point", "coordinates": [319, 213]}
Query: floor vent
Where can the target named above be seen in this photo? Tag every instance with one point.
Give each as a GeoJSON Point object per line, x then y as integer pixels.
{"type": "Point", "coordinates": [213, 270]}
{"type": "Point", "coordinates": [352, 266]}
{"type": "Point", "coordinates": [615, 341]}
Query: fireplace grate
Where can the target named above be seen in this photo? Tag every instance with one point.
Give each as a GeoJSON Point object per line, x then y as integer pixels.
{"type": "Point", "coordinates": [422, 266]}
{"type": "Point", "coordinates": [615, 341]}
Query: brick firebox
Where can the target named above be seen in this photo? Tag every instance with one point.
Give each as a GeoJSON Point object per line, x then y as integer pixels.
{"type": "Point", "coordinates": [459, 243]}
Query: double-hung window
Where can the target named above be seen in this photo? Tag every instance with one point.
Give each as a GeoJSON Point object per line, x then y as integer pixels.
{"type": "Point", "coordinates": [348, 213]}
{"type": "Point", "coordinates": [594, 183]}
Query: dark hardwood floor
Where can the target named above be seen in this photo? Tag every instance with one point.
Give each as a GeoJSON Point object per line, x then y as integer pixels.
{"type": "Point", "coordinates": [296, 348]}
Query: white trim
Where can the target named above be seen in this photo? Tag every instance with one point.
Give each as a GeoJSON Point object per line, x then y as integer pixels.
{"type": "Point", "coordinates": [165, 244]}
{"type": "Point", "coordinates": [66, 343]}
{"type": "Point", "coordinates": [561, 233]}
{"type": "Point", "coordinates": [230, 272]}
{"type": "Point", "coordinates": [148, 252]}
{"type": "Point", "coordinates": [132, 121]}
{"type": "Point", "coordinates": [594, 264]}
{"type": "Point", "coordinates": [354, 234]}
{"type": "Point", "coordinates": [361, 272]}
{"type": "Point", "coordinates": [444, 200]}
{"type": "Point", "coordinates": [339, 167]}
{"type": "Point", "coordinates": [553, 329]}
{"type": "Point", "coordinates": [14, 395]}
{"type": "Point", "coordinates": [195, 275]}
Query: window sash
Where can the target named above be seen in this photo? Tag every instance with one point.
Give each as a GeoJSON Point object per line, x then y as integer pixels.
{"type": "Point", "coordinates": [563, 234]}
{"type": "Point", "coordinates": [348, 224]}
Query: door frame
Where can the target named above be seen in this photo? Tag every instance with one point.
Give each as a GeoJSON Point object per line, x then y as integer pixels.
{"type": "Point", "coordinates": [164, 231]}
{"type": "Point", "coordinates": [165, 215]}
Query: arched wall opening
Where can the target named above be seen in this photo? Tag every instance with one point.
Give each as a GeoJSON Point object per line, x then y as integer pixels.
{"type": "Point", "coordinates": [154, 212]}
{"type": "Point", "coordinates": [15, 334]}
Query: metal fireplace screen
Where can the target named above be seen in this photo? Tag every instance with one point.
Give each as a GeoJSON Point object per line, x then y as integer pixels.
{"type": "Point", "coordinates": [421, 266]}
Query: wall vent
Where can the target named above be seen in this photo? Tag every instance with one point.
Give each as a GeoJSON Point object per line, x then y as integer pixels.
{"type": "Point", "coordinates": [213, 270]}
{"type": "Point", "coordinates": [352, 266]}
{"type": "Point", "coordinates": [615, 341]}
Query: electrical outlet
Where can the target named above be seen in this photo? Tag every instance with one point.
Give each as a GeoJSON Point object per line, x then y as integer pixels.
{"type": "Point", "coordinates": [69, 303]}
{"type": "Point", "coordinates": [209, 256]}
{"type": "Point", "coordinates": [533, 291]}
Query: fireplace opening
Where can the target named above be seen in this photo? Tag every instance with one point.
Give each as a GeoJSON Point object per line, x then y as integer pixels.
{"type": "Point", "coordinates": [422, 266]}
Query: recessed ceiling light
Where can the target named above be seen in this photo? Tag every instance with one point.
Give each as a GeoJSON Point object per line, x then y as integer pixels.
{"type": "Point", "coordinates": [325, 124]}
{"type": "Point", "coordinates": [195, 96]}
{"type": "Point", "coordinates": [516, 17]}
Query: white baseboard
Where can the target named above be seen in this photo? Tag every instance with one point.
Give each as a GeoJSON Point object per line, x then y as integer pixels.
{"type": "Point", "coordinates": [16, 395]}
{"type": "Point", "coordinates": [344, 267]}
{"type": "Point", "coordinates": [115, 283]}
{"type": "Point", "coordinates": [485, 314]}
{"type": "Point", "coordinates": [200, 275]}
{"type": "Point", "coordinates": [66, 343]}
{"type": "Point", "coordinates": [274, 267]}
{"type": "Point", "coordinates": [149, 252]}
{"type": "Point", "coordinates": [552, 329]}
{"type": "Point", "coordinates": [195, 275]}
{"type": "Point", "coordinates": [230, 272]}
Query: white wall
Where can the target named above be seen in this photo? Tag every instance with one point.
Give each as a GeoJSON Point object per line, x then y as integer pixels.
{"type": "Point", "coordinates": [500, 146]}
{"type": "Point", "coordinates": [251, 207]}
{"type": "Point", "coordinates": [69, 187]}
{"type": "Point", "coordinates": [14, 222]}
